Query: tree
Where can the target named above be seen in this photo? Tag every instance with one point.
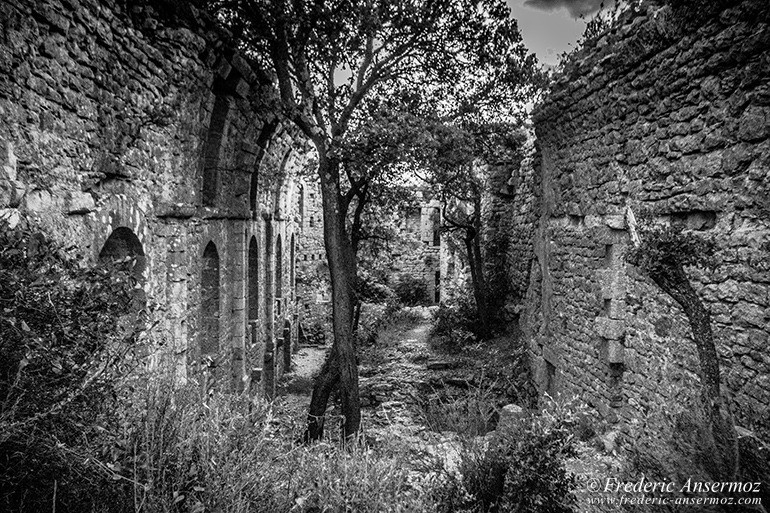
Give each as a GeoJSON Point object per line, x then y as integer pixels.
{"type": "Point", "coordinates": [663, 253]}
{"type": "Point", "coordinates": [457, 169]}
{"type": "Point", "coordinates": [327, 58]}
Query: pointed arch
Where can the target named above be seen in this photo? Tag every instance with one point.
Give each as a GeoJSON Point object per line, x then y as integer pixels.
{"type": "Point", "coordinates": [252, 295]}
{"type": "Point", "coordinates": [209, 313]}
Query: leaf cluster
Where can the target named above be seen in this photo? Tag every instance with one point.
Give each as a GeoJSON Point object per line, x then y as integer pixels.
{"type": "Point", "coordinates": [59, 352]}
{"type": "Point", "coordinates": [670, 246]}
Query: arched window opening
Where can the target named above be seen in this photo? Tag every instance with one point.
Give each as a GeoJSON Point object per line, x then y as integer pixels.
{"type": "Point", "coordinates": [253, 280]}
{"type": "Point", "coordinates": [124, 245]}
{"type": "Point", "coordinates": [214, 139]}
{"type": "Point", "coordinates": [262, 143]}
{"type": "Point", "coordinates": [209, 341]}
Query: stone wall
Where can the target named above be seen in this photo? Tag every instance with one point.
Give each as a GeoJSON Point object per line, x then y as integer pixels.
{"type": "Point", "coordinates": [673, 119]}
{"type": "Point", "coordinates": [419, 254]}
{"type": "Point", "coordinates": [139, 133]}
{"type": "Point", "coordinates": [508, 216]}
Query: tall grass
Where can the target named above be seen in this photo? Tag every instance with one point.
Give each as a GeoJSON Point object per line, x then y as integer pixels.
{"type": "Point", "coordinates": [182, 451]}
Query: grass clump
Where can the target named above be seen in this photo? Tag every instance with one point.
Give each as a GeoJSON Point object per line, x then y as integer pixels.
{"type": "Point", "coordinates": [520, 469]}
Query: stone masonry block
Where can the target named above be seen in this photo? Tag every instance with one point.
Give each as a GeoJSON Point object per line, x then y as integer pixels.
{"type": "Point", "coordinates": [612, 329]}
{"type": "Point", "coordinates": [615, 352]}
{"type": "Point", "coordinates": [612, 283]}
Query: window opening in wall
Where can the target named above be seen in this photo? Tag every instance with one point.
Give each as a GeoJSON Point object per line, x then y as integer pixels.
{"type": "Point", "coordinates": [436, 226]}
{"type": "Point", "coordinates": [123, 244]}
{"type": "Point", "coordinates": [253, 280]}
{"type": "Point", "coordinates": [209, 334]}
{"type": "Point", "coordinates": [214, 138]}
{"type": "Point", "coordinates": [437, 283]}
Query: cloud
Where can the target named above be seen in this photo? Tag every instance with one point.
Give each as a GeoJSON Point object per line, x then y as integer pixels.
{"type": "Point", "coordinates": [576, 8]}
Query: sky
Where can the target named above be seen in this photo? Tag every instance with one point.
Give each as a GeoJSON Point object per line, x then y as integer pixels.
{"type": "Point", "coordinates": [551, 27]}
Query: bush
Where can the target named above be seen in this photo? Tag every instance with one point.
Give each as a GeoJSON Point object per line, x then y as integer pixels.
{"type": "Point", "coordinates": [521, 470]}
{"type": "Point", "coordinates": [454, 323]}
{"type": "Point", "coordinates": [411, 291]}
{"type": "Point", "coordinates": [62, 348]}
{"type": "Point", "coordinates": [373, 290]}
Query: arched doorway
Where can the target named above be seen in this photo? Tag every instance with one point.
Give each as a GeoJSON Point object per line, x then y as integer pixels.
{"type": "Point", "coordinates": [209, 315]}
{"type": "Point", "coordinates": [253, 281]}
{"type": "Point", "coordinates": [124, 245]}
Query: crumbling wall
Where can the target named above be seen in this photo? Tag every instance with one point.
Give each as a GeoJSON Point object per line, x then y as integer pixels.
{"type": "Point", "coordinates": [676, 121]}
{"type": "Point", "coordinates": [139, 120]}
{"type": "Point", "coordinates": [508, 217]}
{"type": "Point", "coordinates": [420, 247]}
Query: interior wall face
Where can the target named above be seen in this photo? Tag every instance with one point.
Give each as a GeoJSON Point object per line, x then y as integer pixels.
{"type": "Point", "coordinates": [678, 127]}
{"type": "Point", "coordinates": [118, 122]}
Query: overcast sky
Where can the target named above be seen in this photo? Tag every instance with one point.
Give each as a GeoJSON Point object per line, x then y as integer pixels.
{"type": "Point", "coordinates": [549, 27]}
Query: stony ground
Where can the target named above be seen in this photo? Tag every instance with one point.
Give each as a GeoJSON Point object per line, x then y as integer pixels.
{"type": "Point", "coordinates": [415, 394]}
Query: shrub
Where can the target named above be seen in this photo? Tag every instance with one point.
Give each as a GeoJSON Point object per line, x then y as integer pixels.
{"type": "Point", "coordinates": [373, 290]}
{"type": "Point", "coordinates": [471, 412]}
{"type": "Point", "coordinates": [411, 291]}
{"type": "Point", "coordinates": [521, 470]}
{"type": "Point", "coordinates": [61, 351]}
{"type": "Point", "coordinates": [454, 323]}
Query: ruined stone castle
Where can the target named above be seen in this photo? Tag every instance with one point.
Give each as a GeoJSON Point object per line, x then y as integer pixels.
{"type": "Point", "coordinates": [138, 132]}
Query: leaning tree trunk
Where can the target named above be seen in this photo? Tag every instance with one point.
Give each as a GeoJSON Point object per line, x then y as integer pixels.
{"type": "Point", "coordinates": [341, 365]}
{"type": "Point", "coordinates": [674, 282]}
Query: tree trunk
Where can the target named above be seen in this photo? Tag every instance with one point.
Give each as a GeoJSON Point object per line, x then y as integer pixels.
{"type": "Point", "coordinates": [476, 264]}
{"type": "Point", "coordinates": [674, 282]}
{"type": "Point", "coordinates": [341, 365]}
{"type": "Point", "coordinates": [327, 379]}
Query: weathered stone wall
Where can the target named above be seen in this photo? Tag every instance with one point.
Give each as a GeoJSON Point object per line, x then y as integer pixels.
{"type": "Point", "coordinates": [420, 253]}
{"type": "Point", "coordinates": [135, 130]}
{"type": "Point", "coordinates": [675, 121]}
{"type": "Point", "coordinates": [508, 217]}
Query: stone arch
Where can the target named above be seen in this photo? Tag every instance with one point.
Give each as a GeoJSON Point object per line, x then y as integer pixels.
{"type": "Point", "coordinates": [263, 141]}
{"type": "Point", "coordinates": [214, 138]}
{"type": "Point", "coordinates": [209, 306]}
{"type": "Point", "coordinates": [120, 212]}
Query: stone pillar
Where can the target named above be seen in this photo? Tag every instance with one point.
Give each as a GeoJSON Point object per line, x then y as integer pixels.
{"type": "Point", "coordinates": [268, 367]}
{"type": "Point", "coordinates": [176, 299]}
{"type": "Point", "coordinates": [239, 310]}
